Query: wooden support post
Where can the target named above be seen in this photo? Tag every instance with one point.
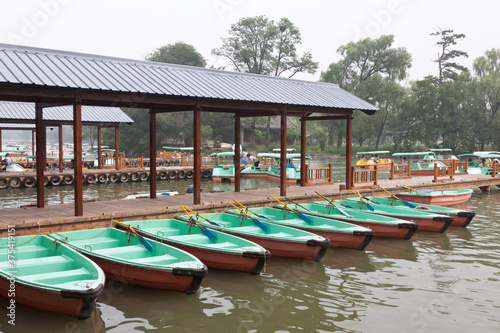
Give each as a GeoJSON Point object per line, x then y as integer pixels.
{"type": "Point", "coordinates": [376, 175]}
{"type": "Point", "coordinates": [237, 152]}
{"type": "Point", "coordinates": [303, 142]}
{"type": "Point", "coordinates": [44, 147]}
{"type": "Point", "coordinates": [99, 153]}
{"type": "Point", "coordinates": [0, 140]}
{"type": "Point", "coordinates": [40, 166]}
{"type": "Point", "coordinates": [77, 141]}
{"type": "Point", "coordinates": [197, 155]}
{"type": "Point", "coordinates": [152, 154]}
{"type": "Point", "coordinates": [117, 150]}
{"type": "Point", "coordinates": [283, 153]}
{"type": "Point", "coordinates": [348, 161]}
{"type": "Point", "coordinates": [330, 176]}
{"type": "Point", "coordinates": [60, 148]}
{"type": "Point", "coordinates": [33, 142]}
{"type": "Point", "coordinates": [306, 173]}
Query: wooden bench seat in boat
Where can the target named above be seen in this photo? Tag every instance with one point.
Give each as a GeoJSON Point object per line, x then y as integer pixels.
{"type": "Point", "coordinates": [60, 276]}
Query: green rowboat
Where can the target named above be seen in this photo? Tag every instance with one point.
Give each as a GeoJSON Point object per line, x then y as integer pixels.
{"type": "Point", "coordinates": [38, 272]}
{"type": "Point", "coordinates": [340, 234]}
{"type": "Point", "coordinates": [281, 241]}
{"type": "Point", "coordinates": [426, 221]}
{"type": "Point", "coordinates": [461, 218]}
{"type": "Point", "coordinates": [123, 257]}
{"type": "Point", "coordinates": [383, 226]}
{"type": "Point", "coordinates": [224, 252]}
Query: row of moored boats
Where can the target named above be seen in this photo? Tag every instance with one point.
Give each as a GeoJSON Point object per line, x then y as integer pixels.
{"type": "Point", "coordinates": [65, 272]}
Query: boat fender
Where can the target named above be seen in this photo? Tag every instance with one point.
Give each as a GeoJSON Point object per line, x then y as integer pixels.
{"type": "Point", "coordinates": [189, 174]}
{"type": "Point", "coordinates": [207, 173]}
{"type": "Point", "coordinates": [124, 177]}
{"type": "Point", "coordinates": [325, 244]}
{"type": "Point", "coordinates": [15, 182]}
{"type": "Point", "coordinates": [45, 180]}
{"type": "Point", "coordinates": [29, 182]}
{"type": "Point", "coordinates": [134, 176]}
{"type": "Point", "coordinates": [143, 176]}
{"type": "Point", "coordinates": [423, 207]}
{"type": "Point", "coordinates": [163, 175]}
{"type": "Point", "coordinates": [90, 179]}
{"type": "Point", "coordinates": [172, 175]}
{"type": "Point", "coordinates": [102, 177]}
{"type": "Point", "coordinates": [55, 180]}
{"type": "Point", "coordinates": [113, 177]}
{"type": "Point", "coordinates": [68, 179]}
{"type": "Point", "coordinates": [4, 183]}
{"type": "Point", "coordinates": [181, 174]}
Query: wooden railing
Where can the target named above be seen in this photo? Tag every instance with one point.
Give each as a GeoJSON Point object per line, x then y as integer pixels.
{"type": "Point", "coordinates": [134, 162]}
{"type": "Point", "coordinates": [400, 171]}
{"type": "Point", "coordinates": [319, 176]}
{"type": "Point", "coordinates": [446, 171]}
{"type": "Point", "coordinates": [364, 176]}
{"type": "Point", "coordinates": [461, 167]}
{"type": "Point", "coordinates": [495, 169]}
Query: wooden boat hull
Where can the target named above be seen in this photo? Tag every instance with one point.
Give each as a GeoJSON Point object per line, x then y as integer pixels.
{"type": "Point", "coordinates": [248, 262]}
{"type": "Point", "coordinates": [355, 240]}
{"type": "Point", "coordinates": [340, 234]}
{"type": "Point", "coordinates": [223, 252]}
{"type": "Point", "coordinates": [399, 229]}
{"type": "Point", "coordinates": [311, 250]}
{"type": "Point", "coordinates": [440, 198]}
{"type": "Point", "coordinates": [297, 244]}
{"type": "Point", "coordinates": [461, 218]}
{"type": "Point", "coordinates": [49, 276]}
{"type": "Point", "coordinates": [177, 279]}
{"type": "Point", "coordinates": [124, 258]}
{"type": "Point", "coordinates": [67, 302]}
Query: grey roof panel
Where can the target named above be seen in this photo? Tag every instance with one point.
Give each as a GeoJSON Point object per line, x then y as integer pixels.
{"type": "Point", "coordinates": [90, 114]}
{"type": "Point", "coordinates": [42, 67]}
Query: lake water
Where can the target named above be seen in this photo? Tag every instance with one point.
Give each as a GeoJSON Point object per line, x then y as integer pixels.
{"type": "Point", "coordinates": [430, 283]}
{"type": "Point", "coordinates": [54, 195]}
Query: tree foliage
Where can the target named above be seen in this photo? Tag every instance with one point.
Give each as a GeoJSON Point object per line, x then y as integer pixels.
{"type": "Point", "coordinates": [179, 53]}
{"type": "Point", "coordinates": [448, 69]}
{"type": "Point", "coordinates": [261, 46]}
{"type": "Point", "coordinates": [371, 69]}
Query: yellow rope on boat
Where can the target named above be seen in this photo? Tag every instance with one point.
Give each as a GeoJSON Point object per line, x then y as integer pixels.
{"type": "Point", "coordinates": [29, 240]}
{"type": "Point", "coordinates": [83, 238]}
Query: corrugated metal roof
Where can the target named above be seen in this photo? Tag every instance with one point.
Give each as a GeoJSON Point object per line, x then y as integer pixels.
{"type": "Point", "coordinates": [41, 67]}
{"type": "Point", "coordinates": [90, 114]}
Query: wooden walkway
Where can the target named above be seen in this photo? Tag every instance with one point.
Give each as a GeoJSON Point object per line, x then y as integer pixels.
{"type": "Point", "coordinates": [31, 220]}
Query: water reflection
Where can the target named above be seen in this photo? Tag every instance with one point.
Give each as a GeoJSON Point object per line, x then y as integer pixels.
{"type": "Point", "coordinates": [431, 283]}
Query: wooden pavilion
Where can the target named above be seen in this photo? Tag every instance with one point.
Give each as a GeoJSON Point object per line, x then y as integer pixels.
{"type": "Point", "coordinates": [52, 78]}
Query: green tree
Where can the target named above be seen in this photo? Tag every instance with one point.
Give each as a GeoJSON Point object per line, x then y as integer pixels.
{"type": "Point", "coordinates": [372, 69]}
{"type": "Point", "coordinates": [179, 53]}
{"type": "Point", "coordinates": [448, 69]}
{"type": "Point", "coordinates": [261, 46]}
{"type": "Point", "coordinates": [487, 96]}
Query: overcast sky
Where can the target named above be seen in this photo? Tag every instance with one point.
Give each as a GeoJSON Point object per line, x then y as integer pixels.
{"type": "Point", "coordinates": [132, 29]}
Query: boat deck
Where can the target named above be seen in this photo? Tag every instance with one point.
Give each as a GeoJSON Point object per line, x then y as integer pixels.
{"type": "Point", "coordinates": [55, 218]}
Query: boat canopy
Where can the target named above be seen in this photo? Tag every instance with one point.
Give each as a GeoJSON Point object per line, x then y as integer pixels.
{"type": "Point", "coordinates": [222, 154]}
{"type": "Point", "coordinates": [107, 149]}
{"type": "Point", "coordinates": [482, 155]}
{"type": "Point", "coordinates": [376, 152]}
{"type": "Point", "coordinates": [440, 150]}
{"type": "Point", "coordinates": [278, 156]}
{"type": "Point", "coordinates": [415, 154]}
{"type": "Point", "coordinates": [288, 150]}
{"type": "Point", "coordinates": [178, 148]}
{"type": "Point", "coordinates": [486, 152]}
